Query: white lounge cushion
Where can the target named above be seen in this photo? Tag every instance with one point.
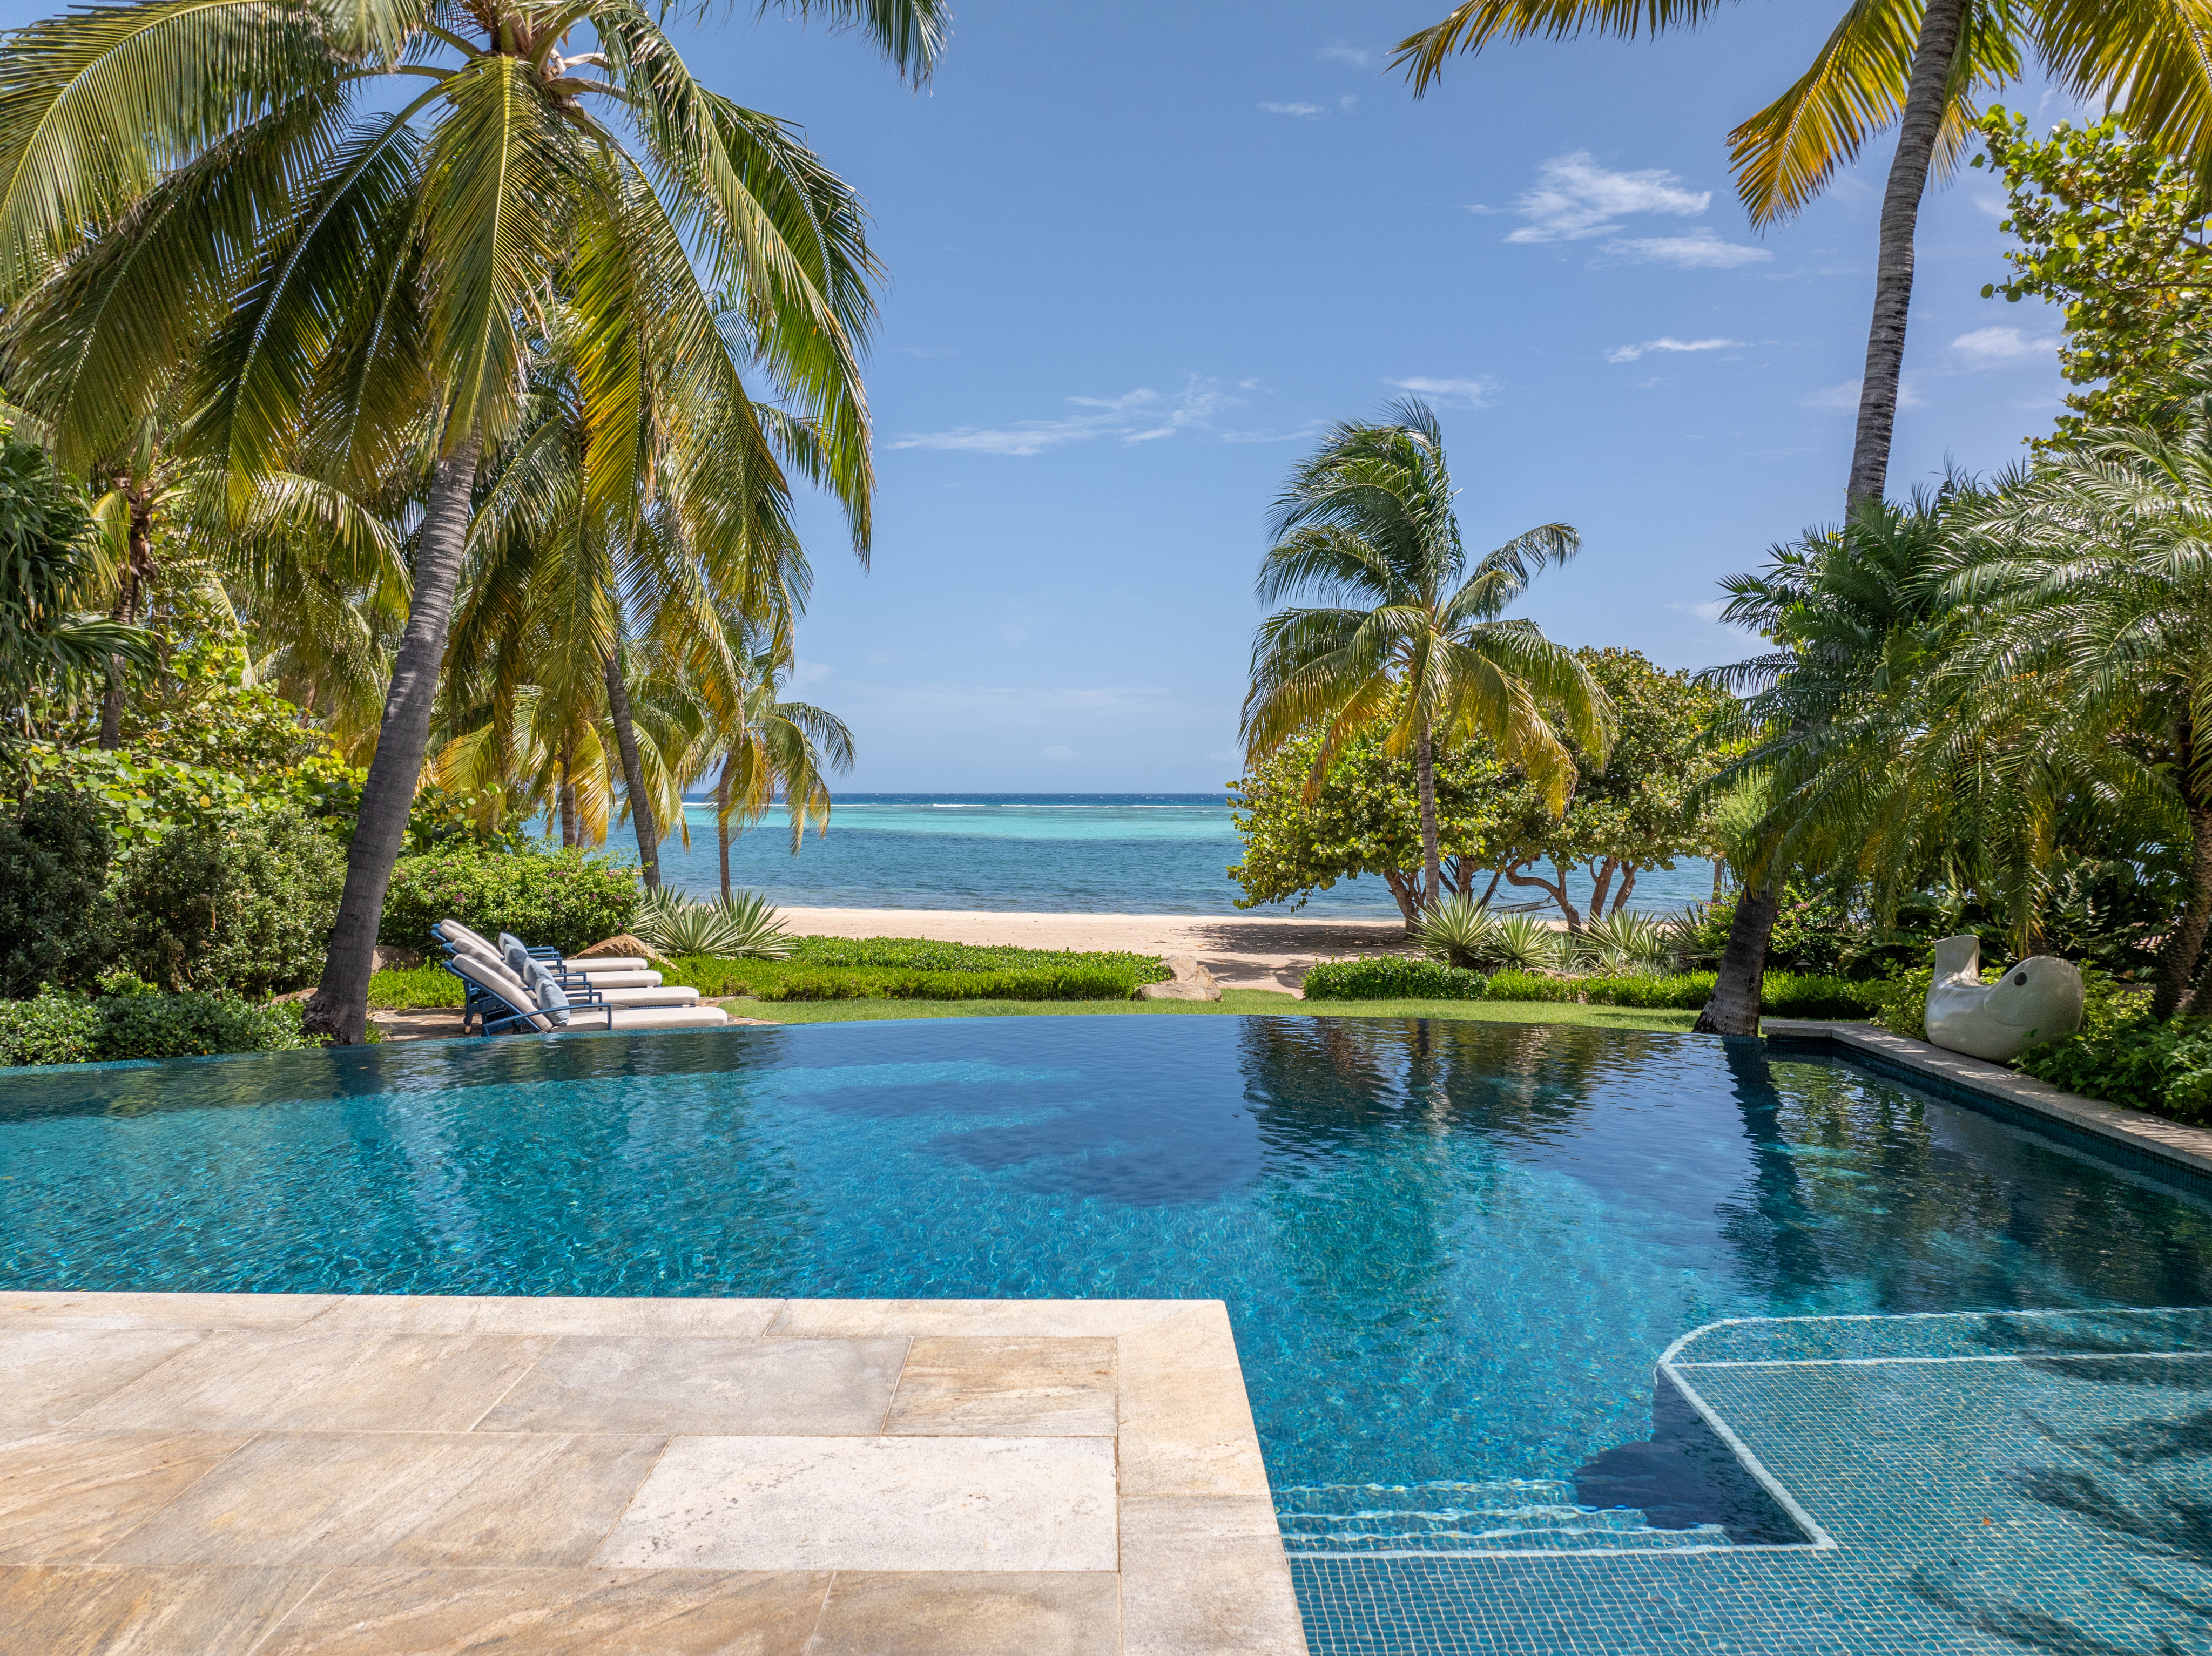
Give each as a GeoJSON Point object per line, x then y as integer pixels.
{"type": "Point", "coordinates": [606, 963]}
{"type": "Point", "coordinates": [656, 1017]}
{"type": "Point", "coordinates": [675, 994]}
{"type": "Point", "coordinates": [456, 933]}
{"type": "Point", "coordinates": [503, 985]}
{"type": "Point", "coordinates": [622, 980]}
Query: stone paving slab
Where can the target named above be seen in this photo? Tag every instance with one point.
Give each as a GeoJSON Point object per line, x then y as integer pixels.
{"type": "Point", "coordinates": [272, 1475]}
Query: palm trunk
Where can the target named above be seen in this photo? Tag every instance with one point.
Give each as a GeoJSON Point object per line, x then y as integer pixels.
{"type": "Point", "coordinates": [570, 837]}
{"type": "Point", "coordinates": [1734, 1008]}
{"type": "Point", "coordinates": [722, 821]}
{"type": "Point", "coordinates": [138, 570]}
{"type": "Point", "coordinates": [640, 807]}
{"type": "Point", "coordinates": [1425, 767]}
{"type": "Point", "coordinates": [339, 1007]}
{"type": "Point", "coordinates": [1925, 97]}
{"type": "Point", "coordinates": [2177, 960]}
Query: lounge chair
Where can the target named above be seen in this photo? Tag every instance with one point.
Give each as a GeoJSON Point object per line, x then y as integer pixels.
{"type": "Point", "coordinates": [549, 1011]}
{"type": "Point", "coordinates": [459, 940]}
{"type": "Point", "coordinates": [596, 973]}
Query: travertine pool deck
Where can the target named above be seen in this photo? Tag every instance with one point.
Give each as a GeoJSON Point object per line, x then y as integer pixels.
{"type": "Point", "coordinates": [274, 1475]}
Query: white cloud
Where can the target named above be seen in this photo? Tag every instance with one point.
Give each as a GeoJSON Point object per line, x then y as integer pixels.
{"type": "Point", "coordinates": [1477, 393]}
{"type": "Point", "coordinates": [1700, 250]}
{"type": "Point", "coordinates": [1061, 751]}
{"type": "Point", "coordinates": [1842, 397]}
{"type": "Point", "coordinates": [1348, 103]}
{"type": "Point", "coordinates": [924, 350]}
{"type": "Point", "coordinates": [810, 672]}
{"type": "Point", "coordinates": [1986, 348]}
{"type": "Point", "coordinates": [1306, 112]}
{"type": "Point", "coordinates": [1668, 343]}
{"type": "Point", "coordinates": [1574, 197]}
{"type": "Point", "coordinates": [1344, 53]}
{"type": "Point", "coordinates": [1143, 415]}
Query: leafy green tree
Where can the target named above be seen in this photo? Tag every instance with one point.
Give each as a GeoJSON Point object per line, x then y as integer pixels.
{"type": "Point", "coordinates": [2112, 229]}
{"type": "Point", "coordinates": [1636, 806]}
{"type": "Point", "coordinates": [1364, 818]}
{"type": "Point", "coordinates": [1369, 522]}
{"type": "Point", "coordinates": [358, 283]}
{"type": "Point", "coordinates": [1916, 64]}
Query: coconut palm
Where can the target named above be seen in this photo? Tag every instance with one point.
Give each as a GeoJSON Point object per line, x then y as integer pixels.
{"type": "Point", "coordinates": [375, 274]}
{"type": "Point", "coordinates": [1415, 630]}
{"type": "Point", "coordinates": [770, 746]}
{"type": "Point", "coordinates": [1920, 65]}
{"type": "Point", "coordinates": [1859, 618]}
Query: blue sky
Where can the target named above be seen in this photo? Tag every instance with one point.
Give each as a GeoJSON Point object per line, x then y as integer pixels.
{"type": "Point", "coordinates": [1140, 255]}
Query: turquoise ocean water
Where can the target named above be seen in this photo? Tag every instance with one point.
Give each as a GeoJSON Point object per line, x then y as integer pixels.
{"type": "Point", "coordinates": [1118, 853]}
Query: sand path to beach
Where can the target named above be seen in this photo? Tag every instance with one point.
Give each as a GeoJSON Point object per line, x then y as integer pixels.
{"type": "Point", "coordinates": [1244, 951]}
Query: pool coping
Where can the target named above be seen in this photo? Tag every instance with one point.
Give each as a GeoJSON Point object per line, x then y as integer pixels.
{"type": "Point", "coordinates": [1198, 1563]}
{"type": "Point", "coordinates": [2134, 1136]}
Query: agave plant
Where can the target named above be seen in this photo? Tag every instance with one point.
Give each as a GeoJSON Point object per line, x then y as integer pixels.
{"type": "Point", "coordinates": [741, 927]}
{"type": "Point", "coordinates": [1458, 931]}
{"type": "Point", "coordinates": [1521, 943]}
{"type": "Point", "coordinates": [1628, 942]}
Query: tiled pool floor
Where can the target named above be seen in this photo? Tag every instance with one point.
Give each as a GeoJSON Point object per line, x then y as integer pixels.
{"type": "Point", "coordinates": [1974, 1483]}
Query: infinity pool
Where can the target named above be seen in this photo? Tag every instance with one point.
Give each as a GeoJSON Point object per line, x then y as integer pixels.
{"type": "Point", "coordinates": [1450, 1251]}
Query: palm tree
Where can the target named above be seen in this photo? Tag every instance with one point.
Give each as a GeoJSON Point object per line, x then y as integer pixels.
{"type": "Point", "coordinates": [2088, 672]}
{"type": "Point", "coordinates": [1415, 631]}
{"type": "Point", "coordinates": [1920, 64]}
{"type": "Point", "coordinates": [1820, 779]}
{"type": "Point", "coordinates": [773, 747]}
{"type": "Point", "coordinates": [374, 276]}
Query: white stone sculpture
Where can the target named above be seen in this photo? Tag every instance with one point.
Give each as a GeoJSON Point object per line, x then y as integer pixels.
{"type": "Point", "coordinates": [2038, 1000]}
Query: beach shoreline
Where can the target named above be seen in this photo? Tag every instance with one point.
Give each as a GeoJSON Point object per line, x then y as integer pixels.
{"type": "Point", "coordinates": [1243, 952]}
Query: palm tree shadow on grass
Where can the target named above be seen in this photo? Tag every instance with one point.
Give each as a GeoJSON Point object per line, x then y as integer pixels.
{"type": "Point", "coordinates": [2142, 1485]}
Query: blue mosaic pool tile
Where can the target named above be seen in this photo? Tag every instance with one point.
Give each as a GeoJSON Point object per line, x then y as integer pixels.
{"type": "Point", "coordinates": [2057, 1499]}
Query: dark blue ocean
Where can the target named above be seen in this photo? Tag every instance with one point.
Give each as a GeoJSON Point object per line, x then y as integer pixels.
{"type": "Point", "coordinates": [1109, 853]}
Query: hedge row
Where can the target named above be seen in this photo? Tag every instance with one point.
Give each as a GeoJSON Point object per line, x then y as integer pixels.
{"type": "Point", "coordinates": [930, 954]}
{"type": "Point", "coordinates": [800, 980]}
{"type": "Point", "coordinates": [1397, 977]}
{"type": "Point", "coordinates": [566, 900]}
{"type": "Point", "coordinates": [77, 1029]}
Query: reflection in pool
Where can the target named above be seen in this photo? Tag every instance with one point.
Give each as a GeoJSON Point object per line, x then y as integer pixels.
{"type": "Point", "coordinates": [1450, 1250]}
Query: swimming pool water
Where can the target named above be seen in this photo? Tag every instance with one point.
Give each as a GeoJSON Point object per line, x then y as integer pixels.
{"type": "Point", "coordinates": [1450, 1251]}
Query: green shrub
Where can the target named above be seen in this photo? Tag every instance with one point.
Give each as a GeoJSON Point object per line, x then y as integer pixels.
{"type": "Point", "coordinates": [1395, 977]}
{"type": "Point", "coordinates": [243, 903]}
{"type": "Point", "coordinates": [415, 986]}
{"type": "Point", "coordinates": [195, 1025]}
{"type": "Point", "coordinates": [78, 1029]}
{"type": "Point", "coordinates": [928, 954]}
{"type": "Point", "coordinates": [564, 900]}
{"type": "Point", "coordinates": [798, 980]}
{"type": "Point", "coordinates": [53, 913]}
{"type": "Point", "coordinates": [53, 1028]}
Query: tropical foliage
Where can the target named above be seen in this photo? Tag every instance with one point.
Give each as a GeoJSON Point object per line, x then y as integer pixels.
{"type": "Point", "coordinates": [1415, 632]}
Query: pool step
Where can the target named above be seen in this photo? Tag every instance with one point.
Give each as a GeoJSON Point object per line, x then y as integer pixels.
{"type": "Point", "coordinates": [1510, 1515]}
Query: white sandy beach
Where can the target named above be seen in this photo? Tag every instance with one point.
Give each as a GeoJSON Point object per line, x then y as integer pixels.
{"type": "Point", "coordinates": [1244, 951]}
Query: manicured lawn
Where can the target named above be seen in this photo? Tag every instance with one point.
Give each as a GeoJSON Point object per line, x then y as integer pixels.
{"type": "Point", "coordinates": [1232, 1001]}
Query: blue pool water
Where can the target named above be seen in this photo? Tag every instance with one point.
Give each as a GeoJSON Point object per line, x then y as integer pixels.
{"type": "Point", "coordinates": [1115, 853]}
{"type": "Point", "coordinates": [1450, 1251]}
